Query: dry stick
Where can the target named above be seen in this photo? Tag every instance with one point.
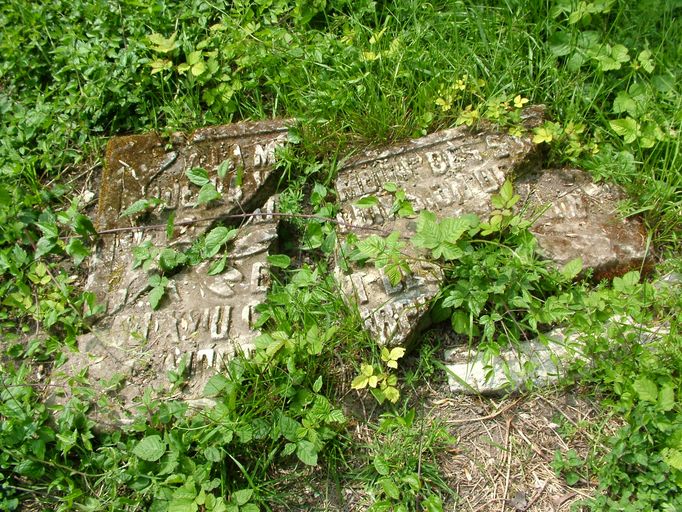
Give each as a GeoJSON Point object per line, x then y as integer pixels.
{"type": "Point", "coordinates": [536, 497]}
{"type": "Point", "coordinates": [242, 216]}
{"type": "Point", "coordinates": [509, 459]}
{"type": "Point", "coordinates": [583, 431]}
{"type": "Point", "coordinates": [488, 417]}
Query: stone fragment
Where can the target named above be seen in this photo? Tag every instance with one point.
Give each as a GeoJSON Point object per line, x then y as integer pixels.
{"type": "Point", "coordinates": [456, 172]}
{"type": "Point", "coordinates": [450, 173]}
{"type": "Point", "coordinates": [203, 320]}
{"type": "Point", "coordinates": [581, 220]}
{"type": "Point", "coordinates": [537, 362]}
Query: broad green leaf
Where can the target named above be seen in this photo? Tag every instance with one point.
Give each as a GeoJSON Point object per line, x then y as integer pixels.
{"type": "Point", "coordinates": [306, 453]}
{"type": "Point", "coordinates": [198, 176]}
{"type": "Point", "coordinates": [624, 103]}
{"type": "Point", "coordinates": [140, 205]}
{"type": "Point", "coordinates": [150, 448]}
{"type": "Point", "coordinates": [381, 466]}
{"type": "Point", "coordinates": [77, 250]}
{"type": "Point", "coordinates": [208, 193]}
{"type": "Point", "coordinates": [217, 266]}
{"type": "Point", "coordinates": [646, 389]}
{"type": "Point", "coordinates": [560, 44]}
{"type": "Point", "coordinates": [215, 385]}
{"type": "Point", "coordinates": [155, 296]}
{"type": "Point", "coordinates": [391, 393]}
{"type": "Point", "coordinates": [242, 497]}
{"type": "Point", "coordinates": [627, 128]}
{"type": "Point", "coordinates": [216, 239]}
{"type": "Point", "coordinates": [542, 134]}
{"type": "Point", "coordinates": [279, 260]}
{"type": "Point", "coordinates": [390, 488]}
{"type": "Point", "coordinates": [199, 68]}
{"type": "Point", "coordinates": [644, 59]}
{"type": "Point", "coordinates": [367, 202]}
{"type": "Point", "coordinates": [169, 259]}
{"type": "Point", "coordinates": [44, 246]}
{"type": "Point", "coordinates": [572, 268]}
{"type": "Point", "coordinates": [162, 44]}
{"type": "Point", "coordinates": [317, 385]}
{"type": "Point", "coordinates": [672, 458]}
{"type": "Point", "coordinates": [390, 187]}
{"type": "Point", "coordinates": [666, 398]}
{"type": "Point", "coordinates": [223, 168]}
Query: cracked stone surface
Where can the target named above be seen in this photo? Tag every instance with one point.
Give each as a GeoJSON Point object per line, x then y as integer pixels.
{"type": "Point", "coordinates": [203, 319]}
{"type": "Point", "coordinates": [537, 362]}
{"type": "Point", "coordinates": [454, 172]}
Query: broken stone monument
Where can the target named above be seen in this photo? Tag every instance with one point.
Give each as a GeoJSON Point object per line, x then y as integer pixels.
{"type": "Point", "coordinates": [203, 319]}
{"type": "Point", "coordinates": [455, 172]}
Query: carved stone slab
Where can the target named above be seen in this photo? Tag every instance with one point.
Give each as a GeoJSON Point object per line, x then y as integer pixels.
{"type": "Point", "coordinates": [582, 220]}
{"type": "Point", "coordinates": [454, 172]}
{"type": "Point", "coordinates": [450, 173]}
{"type": "Point", "coordinates": [203, 319]}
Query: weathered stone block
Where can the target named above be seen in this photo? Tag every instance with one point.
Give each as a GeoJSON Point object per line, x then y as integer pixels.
{"type": "Point", "coordinates": [536, 362]}
{"type": "Point", "coordinates": [455, 172]}
{"type": "Point", "coordinates": [204, 319]}
{"type": "Point", "coordinates": [450, 173]}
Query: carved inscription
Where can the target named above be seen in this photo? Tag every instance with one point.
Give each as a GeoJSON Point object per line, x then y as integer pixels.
{"type": "Point", "coordinates": [450, 173]}
{"type": "Point", "coordinates": [202, 320]}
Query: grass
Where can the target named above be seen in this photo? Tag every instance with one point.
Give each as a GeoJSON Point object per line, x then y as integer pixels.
{"type": "Point", "coordinates": [354, 74]}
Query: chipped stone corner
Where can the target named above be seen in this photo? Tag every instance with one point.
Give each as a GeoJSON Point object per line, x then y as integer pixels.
{"type": "Point", "coordinates": [538, 362]}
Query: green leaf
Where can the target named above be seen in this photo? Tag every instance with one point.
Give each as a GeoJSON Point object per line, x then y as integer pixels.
{"type": "Point", "coordinates": [223, 168]}
{"type": "Point", "coordinates": [208, 193]}
{"type": "Point", "coordinates": [198, 176]}
{"type": "Point", "coordinates": [624, 103]}
{"type": "Point", "coordinates": [306, 453]}
{"type": "Point", "coordinates": [157, 293]}
{"type": "Point", "coordinates": [242, 497]}
{"type": "Point", "coordinates": [560, 44]}
{"type": "Point", "coordinates": [390, 488]}
{"type": "Point", "coordinates": [672, 458]}
{"type": "Point", "coordinates": [666, 398]}
{"type": "Point", "coordinates": [169, 259]}
{"type": "Point", "coordinates": [162, 44]}
{"type": "Point", "coordinates": [572, 268]}
{"type": "Point", "coordinates": [644, 59]}
{"type": "Point", "coordinates": [77, 250]}
{"type": "Point", "coordinates": [381, 466]}
{"type": "Point", "coordinates": [627, 128]}
{"type": "Point", "coordinates": [317, 385]}
{"type": "Point", "coordinates": [367, 202]}
{"type": "Point", "coordinates": [150, 448]}
{"type": "Point", "coordinates": [390, 187]}
{"type": "Point", "coordinates": [217, 266]}
{"type": "Point", "coordinates": [44, 246]}
{"type": "Point", "coordinates": [215, 385]}
{"type": "Point", "coordinates": [215, 240]}
{"type": "Point", "coordinates": [279, 260]}
{"type": "Point", "coordinates": [646, 389]}
{"type": "Point", "coordinates": [139, 206]}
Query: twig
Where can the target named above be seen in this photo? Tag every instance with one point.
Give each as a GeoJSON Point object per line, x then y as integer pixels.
{"type": "Point", "coordinates": [488, 417]}
{"type": "Point", "coordinates": [536, 497]}
{"type": "Point", "coordinates": [507, 446]}
{"type": "Point", "coordinates": [124, 229]}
